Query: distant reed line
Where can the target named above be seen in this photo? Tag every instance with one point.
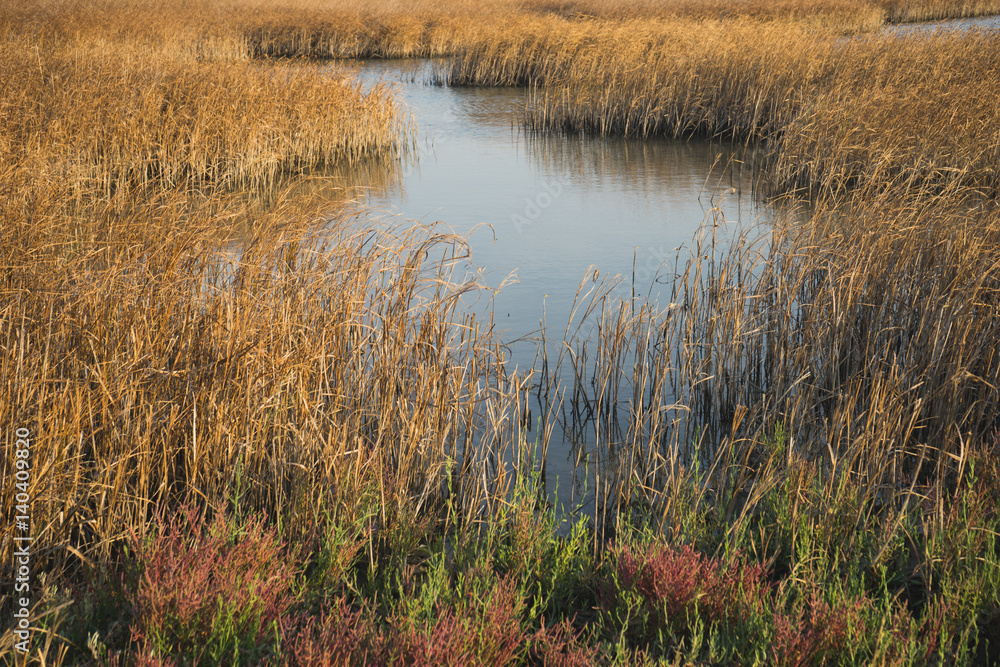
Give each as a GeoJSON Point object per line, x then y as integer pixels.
{"type": "Point", "coordinates": [882, 112]}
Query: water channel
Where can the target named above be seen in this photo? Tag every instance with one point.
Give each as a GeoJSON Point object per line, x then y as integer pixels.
{"type": "Point", "coordinates": [544, 212]}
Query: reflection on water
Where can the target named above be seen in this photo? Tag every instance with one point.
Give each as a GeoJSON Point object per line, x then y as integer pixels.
{"type": "Point", "coordinates": [550, 211]}
{"type": "Point", "coordinates": [544, 209]}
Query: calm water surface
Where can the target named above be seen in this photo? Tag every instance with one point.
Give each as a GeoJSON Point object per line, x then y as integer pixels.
{"type": "Point", "coordinates": [545, 212]}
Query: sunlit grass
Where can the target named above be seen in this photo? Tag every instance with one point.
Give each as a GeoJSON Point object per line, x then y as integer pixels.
{"type": "Point", "coordinates": [264, 430]}
{"type": "Point", "coordinates": [105, 118]}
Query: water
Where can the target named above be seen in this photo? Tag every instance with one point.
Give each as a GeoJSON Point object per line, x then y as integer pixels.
{"type": "Point", "coordinates": [546, 212]}
{"type": "Point", "coordinates": [986, 23]}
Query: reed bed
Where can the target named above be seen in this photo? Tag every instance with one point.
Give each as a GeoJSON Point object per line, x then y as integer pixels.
{"type": "Point", "coordinates": [153, 360]}
{"type": "Point", "coordinates": [389, 28]}
{"type": "Point", "coordinates": [107, 117]}
{"type": "Point", "coordinates": [930, 10]}
{"type": "Point", "coordinates": [809, 439]}
{"type": "Point", "coordinates": [825, 109]}
{"type": "Point", "coordinates": [642, 78]}
{"type": "Point", "coordinates": [824, 105]}
{"type": "Point", "coordinates": [427, 29]}
{"type": "Point", "coordinates": [283, 411]}
{"type": "Point", "coordinates": [913, 114]}
{"type": "Point", "coordinates": [802, 397]}
{"type": "Point", "coordinates": [346, 33]}
{"type": "Point", "coordinates": [842, 15]}
{"type": "Point", "coordinates": [839, 15]}
{"type": "Point", "coordinates": [866, 336]}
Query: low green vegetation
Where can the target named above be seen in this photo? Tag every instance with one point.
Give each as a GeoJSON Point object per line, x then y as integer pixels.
{"type": "Point", "coordinates": [913, 583]}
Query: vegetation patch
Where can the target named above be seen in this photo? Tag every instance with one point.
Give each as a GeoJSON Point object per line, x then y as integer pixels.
{"type": "Point", "coordinates": [263, 431]}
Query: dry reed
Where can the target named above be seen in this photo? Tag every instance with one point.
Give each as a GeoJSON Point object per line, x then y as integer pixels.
{"type": "Point", "coordinates": [831, 112]}
{"type": "Point", "coordinates": [913, 113]}
{"type": "Point", "coordinates": [107, 118]}
{"type": "Point", "coordinates": [865, 336]}
{"type": "Point", "coordinates": [153, 361]}
{"type": "Point", "coordinates": [827, 106]}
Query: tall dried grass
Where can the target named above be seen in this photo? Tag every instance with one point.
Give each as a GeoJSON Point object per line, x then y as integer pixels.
{"type": "Point", "coordinates": [153, 361]}
{"type": "Point", "coordinates": [166, 337]}
{"type": "Point", "coordinates": [929, 10]}
{"type": "Point", "coordinates": [827, 106]}
{"type": "Point", "coordinates": [861, 342]}
{"type": "Point", "coordinates": [845, 15]}
{"type": "Point", "coordinates": [106, 117]}
{"type": "Point", "coordinates": [918, 114]}
{"type": "Point", "coordinates": [832, 113]}
{"type": "Point", "coordinates": [391, 28]}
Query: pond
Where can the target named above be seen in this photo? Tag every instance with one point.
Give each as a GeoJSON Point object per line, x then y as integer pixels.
{"type": "Point", "coordinates": [542, 213]}
{"type": "Point", "coordinates": [547, 210]}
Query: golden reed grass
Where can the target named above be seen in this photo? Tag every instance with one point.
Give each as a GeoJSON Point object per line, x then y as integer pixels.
{"type": "Point", "coordinates": [864, 338]}
{"type": "Point", "coordinates": [912, 113]}
{"type": "Point", "coordinates": [756, 71]}
{"type": "Point", "coordinates": [393, 28]}
{"type": "Point", "coordinates": [831, 112]}
{"type": "Point", "coordinates": [107, 117]}
{"type": "Point", "coordinates": [153, 360]}
{"type": "Point", "coordinates": [166, 337]}
{"type": "Point", "coordinates": [153, 364]}
{"type": "Point", "coordinates": [839, 14]}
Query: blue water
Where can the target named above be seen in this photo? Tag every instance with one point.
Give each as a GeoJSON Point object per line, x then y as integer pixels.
{"type": "Point", "coordinates": [544, 214]}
